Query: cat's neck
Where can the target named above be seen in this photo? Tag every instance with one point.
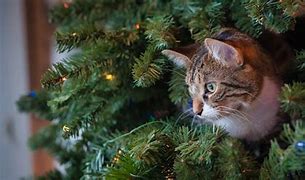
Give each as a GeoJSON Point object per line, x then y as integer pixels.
{"type": "Point", "coordinates": [264, 110]}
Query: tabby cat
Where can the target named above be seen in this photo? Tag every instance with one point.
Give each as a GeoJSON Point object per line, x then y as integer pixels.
{"type": "Point", "coordinates": [234, 83]}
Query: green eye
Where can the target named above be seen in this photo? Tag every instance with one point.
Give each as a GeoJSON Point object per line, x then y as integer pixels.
{"type": "Point", "coordinates": [211, 87]}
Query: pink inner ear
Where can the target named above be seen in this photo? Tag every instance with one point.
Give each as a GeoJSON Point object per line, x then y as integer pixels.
{"type": "Point", "coordinates": [223, 53]}
{"type": "Point", "coordinates": [228, 53]}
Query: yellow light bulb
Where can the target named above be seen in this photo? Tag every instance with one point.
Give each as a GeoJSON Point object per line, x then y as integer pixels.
{"type": "Point", "coordinates": [109, 77]}
{"type": "Point", "coordinates": [66, 128]}
{"type": "Point", "coordinates": [137, 26]}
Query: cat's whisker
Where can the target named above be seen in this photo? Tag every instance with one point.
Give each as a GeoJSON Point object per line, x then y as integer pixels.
{"type": "Point", "coordinates": [239, 115]}
{"type": "Point", "coordinates": [183, 115]}
{"type": "Point", "coordinates": [192, 124]}
{"type": "Point", "coordinates": [188, 113]}
{"type": "Point", "coordinates": [239, 118]}
{"type": "Point", "coordinates": [245, 115]}
{"type": "Point", "coordinates": [229, 113]}
{"type": "Point", "coordinates": [243, 122]}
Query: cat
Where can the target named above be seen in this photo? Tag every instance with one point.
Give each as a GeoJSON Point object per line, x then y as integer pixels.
{"type": "Point", "coordinates": [234, 83]}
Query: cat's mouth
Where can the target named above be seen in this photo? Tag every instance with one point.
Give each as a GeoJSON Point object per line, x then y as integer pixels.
{"type": "Point", "coordinates": [205, 118]}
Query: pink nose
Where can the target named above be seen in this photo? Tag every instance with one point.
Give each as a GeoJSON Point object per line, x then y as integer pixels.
{"type": "Point", "coordinates": [197, 106]}
{"type": "Point", "coordinates": [198, 112]}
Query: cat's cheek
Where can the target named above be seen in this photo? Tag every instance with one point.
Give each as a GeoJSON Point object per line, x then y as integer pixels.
{"type": "Point", "coordinates": [238, 106]}
{"type": "Point", "coordinates": [245, 106]}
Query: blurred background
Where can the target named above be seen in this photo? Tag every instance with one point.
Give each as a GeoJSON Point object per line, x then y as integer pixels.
{"type": "Point", "coordinates": [27, 49]}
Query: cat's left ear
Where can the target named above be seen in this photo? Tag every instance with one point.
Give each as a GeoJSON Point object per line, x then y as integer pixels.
{"type": "Point", "coordinates": [223, 52]}
{"type": "Point", "coordinates": [182, 56]}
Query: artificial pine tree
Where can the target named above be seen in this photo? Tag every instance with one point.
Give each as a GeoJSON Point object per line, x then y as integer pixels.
{"type": "Point", "coordinates": [116, 105]}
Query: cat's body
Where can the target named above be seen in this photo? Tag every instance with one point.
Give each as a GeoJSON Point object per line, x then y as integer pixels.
{"type": "Point", "coordinates": [234, 84]}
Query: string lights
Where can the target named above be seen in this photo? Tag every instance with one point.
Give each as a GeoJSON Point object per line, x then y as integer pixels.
{"type": "Point", "coordinates": [137, 26]}
{"type": "Point", "coordinates": [109, 76]}
{"type": "Point", "coordinates": [66, 129]}
{"type": "Point", "coordinates": [66, 3]}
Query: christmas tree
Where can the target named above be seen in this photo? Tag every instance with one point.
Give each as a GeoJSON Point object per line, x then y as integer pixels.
{"type": "Point", "coordinates": [116, 106]}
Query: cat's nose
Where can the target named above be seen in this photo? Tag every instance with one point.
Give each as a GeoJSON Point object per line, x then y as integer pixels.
{"type": "Point", "coordinates": [199, 112]}
{"type": "Point", "coordinates": [197, 106]}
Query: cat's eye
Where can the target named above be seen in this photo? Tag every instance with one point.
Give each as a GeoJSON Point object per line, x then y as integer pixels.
{"type": "Point", "coordinates": [211, 87]}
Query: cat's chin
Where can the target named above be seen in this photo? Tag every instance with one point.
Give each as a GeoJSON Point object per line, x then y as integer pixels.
{"type": "Point", "coordinates": [206, 119]}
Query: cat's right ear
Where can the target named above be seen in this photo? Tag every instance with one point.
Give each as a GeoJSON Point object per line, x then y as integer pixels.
{"type": "Point", "coordinates": [182, 56]}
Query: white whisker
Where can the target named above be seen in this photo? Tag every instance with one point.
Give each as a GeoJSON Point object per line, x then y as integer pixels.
{"type": "Point", "coordinates": [243, 115]}
{"type": "Point", "coordinates": [238, 117]}
{"type": "Point", "coordinates": [192, 125]}
{"type": "Point", "coordinates": [184, 115]}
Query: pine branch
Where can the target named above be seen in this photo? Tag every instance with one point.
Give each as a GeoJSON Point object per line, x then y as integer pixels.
{"type": "Point", "coordinates": [155, 149]}
{"type": "Point", "coordinates": [293, 99]}
{"type": "Point", "coordinates": [80, 100]}
{"type": "Point", "coordinates": [290, 6]}
{"type": "Point", "coordinates": [206, 22]}
{"type": "Point", "coordinates": [67, 13]}
{"type": "Point", "coordinates": [234, 161]}
{"type": "Point", "coordinates": [158, 32]}
{"type": "Point", "coordinates": [147, 69]}
{"type": "Point", "coordinates": [281, 161]}
{"type": "Point", "coordinates": [243, 21]}
{"type": "Point", "coordinates": [88, 34]}
{"type": "Point", "coordinates": [79, 11]}
{"type": "Point", "coordinates": [186, 171]}
{"type": "Point", "coordinates": [149, 125]}
{"type": "Point", "coordinates": [54, 174]}
{"type": "Point", "coordinates": [99, 57]}
{"type": "Point", "coordinates": [270, 14]}
{"type": "Point", "coordinates": [151, 152]}
{"type": "Point", "coordinates": [125, 167]}
{"type": "Point", "coordinates": [185, 10]}
{"type": "Point", "coordinates": [301, 59]}
{"type": "Point", "coordinates": [36, 102]}
{"type": "Point", "coordinates": [178, 89]}
{"type": "Point", "coordinates": [45, 139]}
{"type": "Point", "coordinates": [200, 150]}
{"type": "Point", "coordinates": [65, 69]}
{"type": "Point", "coordinates": [295, 133]}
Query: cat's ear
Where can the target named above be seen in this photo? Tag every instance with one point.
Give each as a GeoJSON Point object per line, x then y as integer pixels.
{"type": "Point", "coordinates": [223, 52]}
{"type": "Point", "coordinates": [181, 56]}
{"type": "Point", "coordinates": [179, 59]}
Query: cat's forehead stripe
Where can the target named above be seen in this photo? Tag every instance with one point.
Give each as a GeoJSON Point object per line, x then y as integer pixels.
{"type": "Point", "coordinates": [197, 64]}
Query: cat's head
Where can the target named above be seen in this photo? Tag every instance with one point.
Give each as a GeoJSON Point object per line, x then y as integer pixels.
{"type": "Point", "coordinates": [224, 75]}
